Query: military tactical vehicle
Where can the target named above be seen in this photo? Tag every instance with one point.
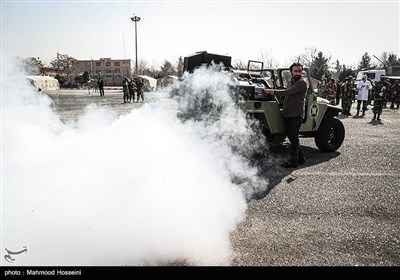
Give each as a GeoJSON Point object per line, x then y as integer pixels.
{"type": "Point", "coordinates": [319, 121]}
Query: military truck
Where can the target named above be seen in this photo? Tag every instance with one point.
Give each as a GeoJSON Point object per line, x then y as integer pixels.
{"type": "Point", "coordinates": [319, 122]}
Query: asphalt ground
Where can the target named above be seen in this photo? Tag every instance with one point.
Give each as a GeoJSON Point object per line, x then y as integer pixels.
{"type": "Point", "coordinates": [338, 209]}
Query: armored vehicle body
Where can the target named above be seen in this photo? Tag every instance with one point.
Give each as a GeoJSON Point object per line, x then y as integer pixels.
{"type": "Point", "coordinates": [319, 122]}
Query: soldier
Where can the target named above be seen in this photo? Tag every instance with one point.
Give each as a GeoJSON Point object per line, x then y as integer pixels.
{"type": "Point", "coordinates": [370, 92]}
{"type": "Point", "coordinates": [131, 90]}
{"type": "Point", "coordinates": [331, 92]}
{"type": "Point", "coordinates": [100, 84]}
{"type": "Point", "coordinates": [139, 86]}
{"type": "Point", "coordinates": [338, 92]}
{"type": "Point", "coordinates": [381, 88]}
{"type": "Point", "coordinates": [125, 89]}
{"type": "Point", "coordinates": [322, 88]}
{"type": "Point", "coordinates": [395, 94]}
{"type": "Point", "coordinates": [388, 93]}
{"type": "Point", "coordinates": [348, 93]}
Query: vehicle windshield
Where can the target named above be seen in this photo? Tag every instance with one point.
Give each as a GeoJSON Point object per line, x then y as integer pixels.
{"type": "Point", "coordinates": [370, 75]}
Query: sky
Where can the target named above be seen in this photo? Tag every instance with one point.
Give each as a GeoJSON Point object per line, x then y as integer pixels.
{"type": "Point", "coordinates": [244, 30]}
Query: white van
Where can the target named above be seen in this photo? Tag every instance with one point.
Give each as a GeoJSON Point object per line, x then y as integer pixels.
{"type": "Point", "coordinates": [374, 75]}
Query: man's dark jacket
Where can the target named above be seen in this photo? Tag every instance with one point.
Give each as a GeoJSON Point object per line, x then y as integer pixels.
{"type": "Point", "coordinates": [295, 98]}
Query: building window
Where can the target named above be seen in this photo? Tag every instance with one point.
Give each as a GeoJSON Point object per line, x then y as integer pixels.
{"type": "Point", "coordinates": [116, 63]}
{"type": "Point", "coordinates": [108, 63]}
{"type": "Point", "coordinates": [98, 63]}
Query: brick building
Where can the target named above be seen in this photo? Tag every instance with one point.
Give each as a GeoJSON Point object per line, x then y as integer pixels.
{"type": "Point", "coordinates": [112, 71]}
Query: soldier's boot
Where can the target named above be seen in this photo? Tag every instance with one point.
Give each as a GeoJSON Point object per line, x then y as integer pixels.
{"type": "Point", "coordinates": [378, 118]}
{"type": "Point", "coordinates": [293, 162]}
{"type": "Point", "coordinates": [290, 164]}
{"type": "Point", "coordinates": [301, 159]}
{"type": "Point", "coordinates": [374, 117]}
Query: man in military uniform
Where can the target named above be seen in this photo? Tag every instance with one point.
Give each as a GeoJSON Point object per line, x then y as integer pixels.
{"type": "Point", "coordinates": [139, 86]}
{"type": "Point", "coordinates": [388, 93]}
{"type": "Point", "coordinates": [331, 92]}
{"type": "Point", "coordinates": [338, 92]}
{"type": "Point", "coordinates": [100, 84]}
{"type": "Point", "coordinates": [395, 94]}
{"type": "Point", "coordinates": [382, 87]}
{"type": "Point", "coordinates": [125, 89]}
{"type": "Point", "coordinates": [348, 94]}
{"type": "Point", "coordinates": [131, 90]}
{"type": "Point", "coordinates": [370, 92]}
{"type": "Point", "coordinates": [322, 87]}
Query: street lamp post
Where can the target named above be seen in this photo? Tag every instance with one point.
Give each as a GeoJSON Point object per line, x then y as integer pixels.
{"type": "Point", "coordinates": [136, 19]}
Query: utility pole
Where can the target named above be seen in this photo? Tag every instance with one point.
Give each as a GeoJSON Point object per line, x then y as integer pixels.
{"type": "Point", "coordinates": [136, 19]}
{"type": "Point", "coordinates": [123, 42]}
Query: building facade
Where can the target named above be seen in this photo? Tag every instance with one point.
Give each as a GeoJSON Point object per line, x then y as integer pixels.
{"type": "Point", "coordinates": [112, 71]}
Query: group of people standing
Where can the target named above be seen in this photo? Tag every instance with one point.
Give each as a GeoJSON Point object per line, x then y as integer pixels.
{"type": "Point", "coordinates": [381, 92]}
{"type": "Point", "coordinates": [130, 86]}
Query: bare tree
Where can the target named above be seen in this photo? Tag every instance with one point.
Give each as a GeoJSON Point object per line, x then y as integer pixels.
{"type": "Point", "coordinates": [239, 64]}
{"type": "Point", "coordinates": [268, 59]}
{"type": "Point", "coordinates": [65, 64]}
{"type": "Point", "coordinates": [142, 66]}
{"type": "Point", "coordinates": [389, 59]}
{"type": "Point", "coordinates": [308, 56]}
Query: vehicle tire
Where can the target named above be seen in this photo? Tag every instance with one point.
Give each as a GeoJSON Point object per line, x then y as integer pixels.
{"type": "Point", "coordinates": [330, 135]}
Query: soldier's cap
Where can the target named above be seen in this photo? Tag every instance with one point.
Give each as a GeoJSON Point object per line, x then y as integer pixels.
{"type": "Point", "coordinates": [347, 78]}
{"type": "Point", "coordinates": [350, 77]}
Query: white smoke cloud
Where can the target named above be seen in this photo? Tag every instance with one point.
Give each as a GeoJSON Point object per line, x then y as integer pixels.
{"type": "Point", "coordinates": [141, 188]}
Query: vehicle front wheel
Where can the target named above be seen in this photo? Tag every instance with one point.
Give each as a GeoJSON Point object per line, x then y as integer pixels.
{"type": "Point", "coordinates": [330, 135]}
